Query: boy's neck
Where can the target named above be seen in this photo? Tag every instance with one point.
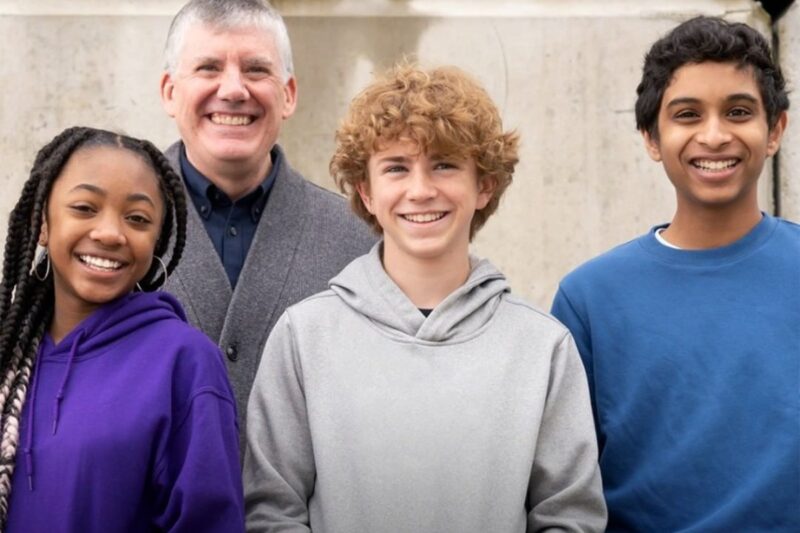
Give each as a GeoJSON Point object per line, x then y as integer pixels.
{"type": "Point", "coordinates": [701, 229]}
{"type": "Point", "coordinates": [426, 282]}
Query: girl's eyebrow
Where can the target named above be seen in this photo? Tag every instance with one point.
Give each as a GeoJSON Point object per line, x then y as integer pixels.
{"type": "Point", "coordinates": [133, 197]}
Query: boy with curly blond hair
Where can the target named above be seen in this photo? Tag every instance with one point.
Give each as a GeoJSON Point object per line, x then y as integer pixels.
{"type": "Point", "coordinates": [418, 394]}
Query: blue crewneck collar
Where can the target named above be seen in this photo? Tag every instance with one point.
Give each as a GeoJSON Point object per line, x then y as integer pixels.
{"type": "Point", "coordinates": [731, 252]}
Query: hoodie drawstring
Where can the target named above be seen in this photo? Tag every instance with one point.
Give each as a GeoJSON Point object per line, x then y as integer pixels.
{"type": "Point", "coordinates": [28, 450]}
{"type": "Point", "coordinates": [60, 396]}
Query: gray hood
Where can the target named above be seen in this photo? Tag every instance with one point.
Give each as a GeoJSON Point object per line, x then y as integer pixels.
{"type": "Point", "coordinates": [365, 286]}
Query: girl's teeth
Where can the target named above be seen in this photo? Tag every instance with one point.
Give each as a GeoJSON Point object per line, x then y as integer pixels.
{"type": "Point", "coordinates": [99, 262]}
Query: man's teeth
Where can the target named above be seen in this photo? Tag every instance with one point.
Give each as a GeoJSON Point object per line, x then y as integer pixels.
{"type": "Point", "coordinates": [231, 120]}
{"type": "Point", "coordinates": [424, 217]}
{"type": "Point", "coordinates": [99, 262]}
{"type": "Point", "coordinates": [705, 164]}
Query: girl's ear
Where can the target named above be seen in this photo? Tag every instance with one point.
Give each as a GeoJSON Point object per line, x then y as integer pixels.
{"type": "Point", "coordinates": [43, 234]}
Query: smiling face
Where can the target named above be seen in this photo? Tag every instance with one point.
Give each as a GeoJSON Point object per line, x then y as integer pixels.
{"type": "Point", "coordinates": [713, 137]}
{"type": "Point", "coordinates": [228, 98]}
{"type": "Point", "coordinates": [423, 202]}
{"type": "Point", "coordinates": [104, 216]}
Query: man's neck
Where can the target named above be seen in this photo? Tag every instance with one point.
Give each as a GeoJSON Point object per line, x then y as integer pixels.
{"type": "Point", "coordinates": [426, 282]}
{"type": "Point", "coordinates": [701, 229]}
{"type": "Point", "coordinates": [235, 178]}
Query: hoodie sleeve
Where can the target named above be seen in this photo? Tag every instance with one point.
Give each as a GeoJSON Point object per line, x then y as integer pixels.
{"type": "Point", "coordinates": [279, 470]}
{"type": "Point", "coordinates": [198, 478]}
{"type": "Point", "coordinates": [565, 490]}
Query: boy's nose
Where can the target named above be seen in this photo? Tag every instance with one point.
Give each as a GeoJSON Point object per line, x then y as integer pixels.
{"type": "Point", "coordinates": [714, 133]}
{"type": "Point", "coordinates": [421, 186]}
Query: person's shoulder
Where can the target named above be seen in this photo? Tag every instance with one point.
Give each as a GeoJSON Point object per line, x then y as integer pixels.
{"type": "Point", "coordinates": [530, 314]}
{"type": "Point", "coordinates": [622, 257]}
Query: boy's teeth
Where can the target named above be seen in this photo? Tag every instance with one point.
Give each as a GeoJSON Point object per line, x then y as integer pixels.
{"type": "Point", "coordinates": [424, 217]}
{"type": "Point", "coordinates": [231, 120]}
{"type": "Point", "coordinates": [99, 262]}
{"type": "Point", "coordinates": [705, 164]}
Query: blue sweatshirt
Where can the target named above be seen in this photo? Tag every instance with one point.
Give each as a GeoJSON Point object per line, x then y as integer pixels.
{"type": "Point", "coordinates": [129, 425]}
{"type": "Point", "coordinates": [693, 359]}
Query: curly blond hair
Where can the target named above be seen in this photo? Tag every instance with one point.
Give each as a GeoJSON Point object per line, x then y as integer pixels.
{"type": "Point", "coordinates": [443, 111]}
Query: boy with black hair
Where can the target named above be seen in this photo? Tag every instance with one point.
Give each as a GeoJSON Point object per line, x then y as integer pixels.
{"type": "Point", "coordinates": [418, 394]}
{"type": "Point", "coordinates": [690, 334]}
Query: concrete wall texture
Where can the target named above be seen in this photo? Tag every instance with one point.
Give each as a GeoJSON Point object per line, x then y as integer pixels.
{"type": "Point", "coordinates": [563, 74]}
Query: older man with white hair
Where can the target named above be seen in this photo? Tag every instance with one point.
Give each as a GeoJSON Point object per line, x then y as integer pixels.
{"type": "Point", "coordinates": [260, 236]}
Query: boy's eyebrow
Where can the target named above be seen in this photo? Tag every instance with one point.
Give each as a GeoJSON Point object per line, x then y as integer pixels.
{"type": "Point", "coordinates": [133, 197]}
{"type": "Point", "coordinates": [393, 159]}
{"type": "Point", "coordinates": [730, 98]}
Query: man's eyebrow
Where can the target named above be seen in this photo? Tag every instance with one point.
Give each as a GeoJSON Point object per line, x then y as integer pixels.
{"type": "Point", "coordinates": [258, 62]}
{"type": "Point", "coordinates": [205, 59]}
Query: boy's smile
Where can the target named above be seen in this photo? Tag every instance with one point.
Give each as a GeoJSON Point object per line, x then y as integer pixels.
{"type": "Point", "coordinates": [423, 202]}
{"type": "Point", "coordinates": [713, 137]}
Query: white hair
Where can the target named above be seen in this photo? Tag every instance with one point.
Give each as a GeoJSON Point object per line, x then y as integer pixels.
{"type": "Point", "coordinates": [228, 15]}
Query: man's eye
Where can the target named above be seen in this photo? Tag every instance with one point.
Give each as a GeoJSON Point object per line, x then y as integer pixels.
{"type": "Point", "coordinates": [207, 68]}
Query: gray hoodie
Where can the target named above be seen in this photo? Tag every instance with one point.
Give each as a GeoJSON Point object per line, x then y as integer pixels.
{"type": "Point", "coordinates": [366, 416]}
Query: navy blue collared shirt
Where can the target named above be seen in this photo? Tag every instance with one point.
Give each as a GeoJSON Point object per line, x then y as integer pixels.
{"type": "Point", "coordinates": [230, 225]}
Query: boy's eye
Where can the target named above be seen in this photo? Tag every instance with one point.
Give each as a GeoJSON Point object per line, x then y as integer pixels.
{"type": "Point", "coordinates": [444, 165]}
{"type": "Point", "coordinates": [394, 169]}
{"type": "Point", "coordinates": [686, 114]}
{"type": "Point", "coordinates": [739, 112]}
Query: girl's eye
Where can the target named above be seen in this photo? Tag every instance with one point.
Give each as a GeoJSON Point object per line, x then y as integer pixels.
{"type": "Point", "coordinates": [139, 219]}
{"type": "Point", "coordinates": [82, 208]}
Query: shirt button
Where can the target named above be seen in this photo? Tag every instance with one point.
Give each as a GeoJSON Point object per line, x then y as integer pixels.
{"type": "Point", "coordinates": [232, 231]}
{"type": "Point", "coordinates": [232, 352]}
{"type": "Point", "coordinates": [203, 209]}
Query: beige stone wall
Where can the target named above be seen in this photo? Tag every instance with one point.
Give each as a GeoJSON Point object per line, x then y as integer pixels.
{"type": "Point", "coordinates": [789, 157]}
{"type": "Point", "coordinates": [563, 73]}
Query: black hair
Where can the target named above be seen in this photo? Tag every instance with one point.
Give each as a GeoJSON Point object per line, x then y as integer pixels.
{"type": "Point", "coordinates": [708, 39]}
{"type": "Point", "coordinates": [26, 302]}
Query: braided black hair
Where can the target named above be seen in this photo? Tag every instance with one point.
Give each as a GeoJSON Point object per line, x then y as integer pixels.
{"type": "Point", "coordinates": [26, 302]}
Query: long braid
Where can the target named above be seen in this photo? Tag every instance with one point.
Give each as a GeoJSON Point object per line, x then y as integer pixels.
{"type": "Point", "coordinates": [26, 303]}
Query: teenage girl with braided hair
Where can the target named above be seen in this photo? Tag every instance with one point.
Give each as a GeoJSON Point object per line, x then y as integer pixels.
{"type": "Point", "coordinates": [116, 414]}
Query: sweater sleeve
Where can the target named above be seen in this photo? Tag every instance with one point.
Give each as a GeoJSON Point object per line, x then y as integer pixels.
{"type": "Point", "coordinates": [279, 469]}
{"type": "Point", "coordinates": [565, 491]}
{"type": "Point", "coordinates": [199, 476]}
{"type": "Point", "coordinates": [564, 310]}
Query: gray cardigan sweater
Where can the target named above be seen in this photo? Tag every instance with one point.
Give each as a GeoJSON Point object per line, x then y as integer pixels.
{"type": "Point", "coordinates": [306, 235]}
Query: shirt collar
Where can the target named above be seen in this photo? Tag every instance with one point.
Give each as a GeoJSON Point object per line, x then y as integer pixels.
{"type": "Point", "coordinates": [207, 196]}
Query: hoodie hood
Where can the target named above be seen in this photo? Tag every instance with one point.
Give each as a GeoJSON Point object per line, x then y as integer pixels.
{"type": "Point", "coordinates": [114, 320]}
{"type": "Point", "coordinates": [365, 286]}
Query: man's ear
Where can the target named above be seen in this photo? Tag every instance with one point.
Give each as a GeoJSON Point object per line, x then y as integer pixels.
{"type": "Point", "coordinates": [289, 98]}
{"type": "Point", "coordinates": [363, 192]}
{"type": "Point", "coordinates": [486, 188]}
{"type": "Point", "coordinates": [652, 146]}
{"type": "Point", "coordinates": [167, 90]}
{"type": "Point", "coordinates": [776, 134]}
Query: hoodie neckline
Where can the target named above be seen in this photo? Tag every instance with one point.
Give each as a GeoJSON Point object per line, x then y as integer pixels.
{"type": "Point", "coordinates": [365, 286]}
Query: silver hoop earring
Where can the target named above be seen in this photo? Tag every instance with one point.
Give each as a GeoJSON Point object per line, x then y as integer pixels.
{"type": "Point", "coordinates": [163, 268]}
{"type": "Point", "coordinates": [43, 256]}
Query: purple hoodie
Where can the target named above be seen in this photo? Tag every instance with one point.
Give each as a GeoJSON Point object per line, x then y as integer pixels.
{"type": "Point", "coordinates": [129, 425]}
